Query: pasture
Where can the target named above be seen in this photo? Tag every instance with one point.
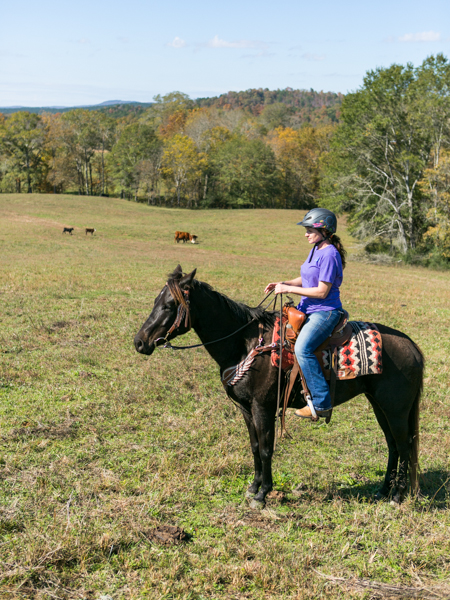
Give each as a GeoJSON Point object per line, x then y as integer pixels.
{"type": "Point", "coordinates": [99, 445]}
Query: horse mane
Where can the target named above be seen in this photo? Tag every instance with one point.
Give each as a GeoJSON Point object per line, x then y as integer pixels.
{"type": "Point", "coordinates": [241, 311]}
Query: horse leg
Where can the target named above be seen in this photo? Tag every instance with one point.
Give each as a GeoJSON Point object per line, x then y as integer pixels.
{"type": "Point", "coordinates": [391, 472]}
{"type": "Point", "coordinates": [264, 420]}
{"type": "Point", "coordinates": [253, 489]}
{"type": "Point", "coordinates": [399, 441]}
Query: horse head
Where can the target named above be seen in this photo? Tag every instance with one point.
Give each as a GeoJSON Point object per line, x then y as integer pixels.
{"type": "Point", "coordinates": [170, 316]}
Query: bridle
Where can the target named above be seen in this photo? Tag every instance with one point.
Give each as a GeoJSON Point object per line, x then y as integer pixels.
{"type": "Point", "coordinates": [181, 298]}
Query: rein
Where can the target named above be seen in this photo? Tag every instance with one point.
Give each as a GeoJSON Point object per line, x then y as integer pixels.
{"type": "Point", "coordinates": [182, 297]}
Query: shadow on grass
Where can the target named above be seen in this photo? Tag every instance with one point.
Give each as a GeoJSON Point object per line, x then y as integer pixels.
{"type": "Point", "coordinates": [434, 490]}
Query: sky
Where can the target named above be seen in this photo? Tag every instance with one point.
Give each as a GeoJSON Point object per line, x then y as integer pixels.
{"type": "Point", "coordinates": [90, 51]}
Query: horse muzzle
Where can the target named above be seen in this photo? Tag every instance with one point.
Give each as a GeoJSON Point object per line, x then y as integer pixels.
{"type": "Point", "coordinates": [143, 347]}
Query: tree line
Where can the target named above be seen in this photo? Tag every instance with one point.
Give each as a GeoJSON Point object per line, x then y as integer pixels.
{"type": "Point", "coordinates": [175, 152]}
{"type": "Point", "coordinates": [381, 154]}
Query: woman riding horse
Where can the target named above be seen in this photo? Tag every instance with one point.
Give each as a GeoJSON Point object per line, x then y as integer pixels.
{"type": "Point", "coordinates": [318, 284]}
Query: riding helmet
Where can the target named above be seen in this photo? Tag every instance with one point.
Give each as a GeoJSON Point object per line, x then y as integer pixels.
{"type": "Point", "coordinates": [320, 218]}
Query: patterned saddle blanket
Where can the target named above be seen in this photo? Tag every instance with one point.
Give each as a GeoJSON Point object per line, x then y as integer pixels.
{"type": "Point", "coordinates": [361, 355]}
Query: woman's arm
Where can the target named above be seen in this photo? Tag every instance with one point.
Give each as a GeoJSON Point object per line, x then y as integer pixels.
{"type": "Point", "coordinates": [295, 282]}
{"type": "Point", "coordinates": [321, 291]}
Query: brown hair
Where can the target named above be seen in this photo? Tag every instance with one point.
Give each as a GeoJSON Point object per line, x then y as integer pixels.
{"type": "Point", "coordinates": [336, 241]}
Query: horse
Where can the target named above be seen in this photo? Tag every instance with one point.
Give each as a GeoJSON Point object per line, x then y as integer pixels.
{"type": "Point", "coordinates": [230, 330]}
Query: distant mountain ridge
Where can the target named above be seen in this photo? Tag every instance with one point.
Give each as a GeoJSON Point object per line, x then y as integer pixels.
{"type": "Point", "coordinates": [52, 109]}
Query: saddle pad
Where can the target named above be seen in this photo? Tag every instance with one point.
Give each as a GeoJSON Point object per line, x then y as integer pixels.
{"type": "Point", "coordinates": [361, 355]}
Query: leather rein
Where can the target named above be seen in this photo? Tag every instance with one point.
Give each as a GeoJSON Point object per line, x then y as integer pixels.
{"type": "Point", "coordinates": [181, 298]}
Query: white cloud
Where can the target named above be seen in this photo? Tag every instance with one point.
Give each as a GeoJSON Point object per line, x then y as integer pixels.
{"type": "Point", "coordinates": [84, 41]}
{"type": "Point", "coordinates": [314, 57]}
{"type": "Point", "coordinates": [423, 36]}
{"type": "Point", "coordinates": [177, 43]}
{"type": "Point", "coordinates": [216, 42]}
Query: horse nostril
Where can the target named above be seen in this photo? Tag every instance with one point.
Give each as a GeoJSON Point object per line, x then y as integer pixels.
{"type": "Point", "coordinates": [139, 344]}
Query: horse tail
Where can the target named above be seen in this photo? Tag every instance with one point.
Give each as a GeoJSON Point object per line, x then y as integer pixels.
{"type": "Point", "coordinates": [413, 421]}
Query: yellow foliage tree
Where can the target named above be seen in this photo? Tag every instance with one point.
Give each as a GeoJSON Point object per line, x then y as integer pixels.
{"type": "Point", "coordinates": [183, 165]}
{"type": "Point", "coordinates": [436, 185]}
{"type": "Point", "coordinates": [298, 153]}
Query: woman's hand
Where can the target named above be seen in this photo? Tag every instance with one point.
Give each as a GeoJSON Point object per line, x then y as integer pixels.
{"type": "Point", "coordinates": [270, 287]}
{"type": "Point", "coordinates": [282, 288]}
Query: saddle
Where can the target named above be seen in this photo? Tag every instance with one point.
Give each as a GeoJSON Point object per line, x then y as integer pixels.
{"type": "Point", "coordinates": [295, 320]}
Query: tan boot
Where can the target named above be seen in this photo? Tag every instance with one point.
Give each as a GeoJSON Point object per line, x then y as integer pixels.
{"type": "Point", "coordinates": [305, 413]}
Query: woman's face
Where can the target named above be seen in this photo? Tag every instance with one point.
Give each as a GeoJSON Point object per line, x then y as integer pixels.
{"type": "Point", "coordinates": [313, 235]}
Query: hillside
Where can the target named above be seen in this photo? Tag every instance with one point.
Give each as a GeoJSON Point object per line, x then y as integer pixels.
{"type": "Point", "coordinates": [305, 106]}
{"type": "Point", "coordinates": [308, 106]}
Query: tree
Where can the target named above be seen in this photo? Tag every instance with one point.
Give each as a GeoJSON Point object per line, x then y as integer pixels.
{"type": "Point", "coordinates": [245, 172]}
{"type": "Point", "coordinates": [380, 151]}
{"type": "Point", "coordinates": [182, 164]}
{"type": "Point", "coordinates": [137, 146]}
{"type": "Point", "coordinates": [80, 139]}
{"type": "Point", "coordinates": [22, 140]}
{"type": "Point", "coordinates": [436, 185]}
{"type": "Point", "coordinates": [298, 154]}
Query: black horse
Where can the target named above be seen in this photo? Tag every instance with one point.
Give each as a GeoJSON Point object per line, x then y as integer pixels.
{"type": "Point", "coordinates": [394, 395]}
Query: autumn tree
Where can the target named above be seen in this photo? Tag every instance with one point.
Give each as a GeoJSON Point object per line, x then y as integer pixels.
{"type": "Point", "coordinates": [436, 186]}
{"type": "Point", "coordinates": [182, 164]}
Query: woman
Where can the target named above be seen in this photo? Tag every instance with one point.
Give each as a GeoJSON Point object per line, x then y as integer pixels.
{"type": "Point", "coordinates": [318, 284]}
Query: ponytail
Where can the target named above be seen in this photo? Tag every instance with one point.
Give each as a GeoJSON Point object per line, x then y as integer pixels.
{"type": "Point", "coordinates": [336, 241]}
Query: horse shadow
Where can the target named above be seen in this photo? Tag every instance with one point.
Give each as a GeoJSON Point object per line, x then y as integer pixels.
{"type": "Point", "coordinates": [434, 492]}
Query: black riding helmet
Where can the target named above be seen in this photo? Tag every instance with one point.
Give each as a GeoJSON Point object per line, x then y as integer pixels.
{"type": "Point", "coordinates": [320, 218]}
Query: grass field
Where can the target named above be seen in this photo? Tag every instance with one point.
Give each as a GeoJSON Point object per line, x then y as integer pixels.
{"type": "Point", "coordinates": [100, 445]}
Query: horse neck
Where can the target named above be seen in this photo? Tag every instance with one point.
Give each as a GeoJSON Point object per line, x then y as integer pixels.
{"type": "Point", "coordinates": [214, 317]}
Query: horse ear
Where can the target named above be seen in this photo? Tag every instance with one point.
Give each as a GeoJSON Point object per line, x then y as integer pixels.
{"type": "Point", "coordinates": [187, 280]}
{"type": "Point", "coordinates": [177, 270]}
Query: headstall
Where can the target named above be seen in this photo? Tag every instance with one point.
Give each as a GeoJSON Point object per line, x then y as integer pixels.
{"type": "Point", "coordinates": [181, 298]}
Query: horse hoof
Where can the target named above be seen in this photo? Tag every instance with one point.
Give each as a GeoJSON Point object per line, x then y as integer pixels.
{"type": "Point", "coordinates": [256, 504]}
{"type": "Point", "coordinates": [249, 494]}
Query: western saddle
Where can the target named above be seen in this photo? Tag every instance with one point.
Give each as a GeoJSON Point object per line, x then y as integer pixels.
{"type": "Point", "coordinates": [294, 320]}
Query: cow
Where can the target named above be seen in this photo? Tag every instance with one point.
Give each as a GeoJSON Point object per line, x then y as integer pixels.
{"type": "Point", "coordinates": [90, 230]}
{"type": "Point", "coordinates": [184, 236]}
{"type": "Point", "coordinates": [68, 230]}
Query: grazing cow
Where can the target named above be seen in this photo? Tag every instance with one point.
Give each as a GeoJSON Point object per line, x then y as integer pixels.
{"type": "Point", "coordinates": [90, 230]}
{"type": "Point", "coordinates": [184, 236]}
{"type": "Point", "coordinates": [68, 230]}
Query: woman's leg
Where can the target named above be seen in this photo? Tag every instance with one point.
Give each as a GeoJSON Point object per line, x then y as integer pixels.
{"type": "Point", "coordinates": [317, 327]}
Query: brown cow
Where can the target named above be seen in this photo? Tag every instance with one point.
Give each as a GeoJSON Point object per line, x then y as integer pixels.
{"type": "Point", "coordinates": [90, 230]}
{"type": "Point", "coordinates": [184, 236]}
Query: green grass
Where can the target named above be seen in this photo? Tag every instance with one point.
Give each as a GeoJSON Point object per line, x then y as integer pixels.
{"type": "Point", "coordinates": [99, 445]}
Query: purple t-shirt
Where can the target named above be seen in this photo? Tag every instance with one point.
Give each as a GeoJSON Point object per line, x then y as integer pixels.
{"type": "Point", "coordinates": [326, 265]}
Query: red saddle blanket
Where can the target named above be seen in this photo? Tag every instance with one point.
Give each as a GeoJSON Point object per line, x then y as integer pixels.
{"type": "Point", "coordinates": [361, 355]}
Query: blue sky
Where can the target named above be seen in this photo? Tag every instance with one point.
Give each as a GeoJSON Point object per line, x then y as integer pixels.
{"type": "Point", "coordinates": [85, 52]}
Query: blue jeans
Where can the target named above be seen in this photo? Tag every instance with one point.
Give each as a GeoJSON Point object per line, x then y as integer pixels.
{"type": "Point", "coordinates": [318, 326]}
